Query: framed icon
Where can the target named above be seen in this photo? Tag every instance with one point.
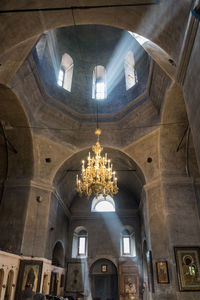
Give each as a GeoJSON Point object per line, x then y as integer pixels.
{"type": "Point", "coordinates": [104, 268]}
{"type": "Point", "coordinates": [162, 272]}
{"type": "Point", "coordinates": [188, 268]}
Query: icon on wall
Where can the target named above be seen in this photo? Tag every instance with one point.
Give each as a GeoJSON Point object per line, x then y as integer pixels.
{"type": "Point", "coordinates": [188, 268]}
{"type": "Point", "coordinates": [162, 272]}
{"type": "Point", "coordinates": [104, 268]}
{"type": "Point", "coordinates": [29, 277]}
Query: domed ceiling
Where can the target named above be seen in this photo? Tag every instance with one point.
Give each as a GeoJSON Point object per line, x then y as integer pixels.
{"type": "Point", "coordinates": [90, 46]}
{"type": "Point", "coordinates": [70, 116]}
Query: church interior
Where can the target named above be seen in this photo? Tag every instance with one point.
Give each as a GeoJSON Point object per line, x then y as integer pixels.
{"type": "Point", "coordinates": [100, 149]}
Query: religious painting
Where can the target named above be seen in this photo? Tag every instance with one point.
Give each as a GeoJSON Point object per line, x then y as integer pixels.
{"type": "Point", "coordinates": [162, 272]}
{"type": "Point", "coordinates": [150, 271]}
{"type": "Point", "coordinates": [188, 268]}
{"type": "Point", "coordinates": [130, 285]}
{"type": "Point", "coordinates": [104, 268]}
{"type": "Point", "coordinates": [75, 277]}
{"type": "Point", "coordinates": [29, 277]}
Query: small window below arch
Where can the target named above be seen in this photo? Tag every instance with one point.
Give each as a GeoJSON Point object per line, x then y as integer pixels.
{"type": "Point", "coordinates": [99, 83]}
{"type": "Point", "coordinates": [80, 242]}
{"type": "Point", "coordinates": [129, 68]}
{"type": "Point", "coordinates": [128, 243]}
{"type": "Point", "coordinates": [82, 236]}
{"type": "Point", "coordinates": [101, 204]}
{"type": "Point", "coordinates": [66, 72]}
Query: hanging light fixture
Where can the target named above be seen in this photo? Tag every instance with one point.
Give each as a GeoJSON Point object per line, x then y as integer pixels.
{"type": "Point", "coordinates": [97, 177]}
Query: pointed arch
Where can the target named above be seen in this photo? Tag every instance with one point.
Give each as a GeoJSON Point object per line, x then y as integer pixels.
{"type": "Point", "coordinates": [66, 72]}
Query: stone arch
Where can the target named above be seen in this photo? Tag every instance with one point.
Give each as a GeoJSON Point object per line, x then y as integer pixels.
{"type": "Point", "coordinates": [177, 155]}
{"type": "Point", "coordinates": [119, 160]}
{"type": "Point", "coordinates": [103, 16]}
{"type": "Point", "coordinates": [96, 266]}
{"type": "Point", "coordinates": [58, 255]}
{"type": "Point", "coordinates": [16, 138]}
{"type": "Point", "coordinates": [17, 168]}
{"type": "Point", "coordinates": [105, 271]}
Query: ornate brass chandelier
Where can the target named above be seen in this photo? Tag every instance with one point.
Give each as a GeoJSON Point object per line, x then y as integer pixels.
{"type": "Point", "coordinates": [98, 176]}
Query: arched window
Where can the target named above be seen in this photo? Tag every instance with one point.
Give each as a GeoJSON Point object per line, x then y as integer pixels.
{"type": "Point", "coordinates": [66, 72]}
{"type": "Point", "coordinates": [99, 83]}
{"type": "Point", "coordinates": [80, 242]}
{"type": "Point", "coordinates": [127, 242]}
{"type": "Point", "coordinates": [129, 68]}
{"type": "Point", "coordinates": [101, 204]}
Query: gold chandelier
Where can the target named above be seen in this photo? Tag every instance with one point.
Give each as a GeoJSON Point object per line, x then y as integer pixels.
{"type": "Point", "coordinates": [98, 176]}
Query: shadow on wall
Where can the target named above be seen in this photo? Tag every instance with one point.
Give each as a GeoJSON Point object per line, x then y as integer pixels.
{"type": "Point", "coordinates": [16, 151]}
{"type": "Point", "coordinates": [58, 257]}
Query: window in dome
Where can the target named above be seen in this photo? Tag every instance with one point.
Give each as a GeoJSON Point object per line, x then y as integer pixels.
{"type": "Point", "coordinates": [102, 204]}
{"type": "Point", "coordinates": [66, 72]}
{"type": "Point", "coordinates": [61, 77]}
{"type": "Point", "coordinates": [99, 83]}
{"type": "Point", "coordinates": [129, 68]}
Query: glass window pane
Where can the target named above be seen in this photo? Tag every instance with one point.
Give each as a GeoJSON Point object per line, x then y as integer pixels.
{"type": "Point", "coordinates": [60, 78]}
{"type": "Point", "coordinates": [81, 245]}
{"type": "Point", "coordinates": [100, 90]}
{"type": "Point", "coordinates": [126, 245]}
{"type": "Point", "coordinates": [103, 206]}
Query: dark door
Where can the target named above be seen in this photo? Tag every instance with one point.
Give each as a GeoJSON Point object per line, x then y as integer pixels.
{"type": "Point", "coordinates": [105, 287]}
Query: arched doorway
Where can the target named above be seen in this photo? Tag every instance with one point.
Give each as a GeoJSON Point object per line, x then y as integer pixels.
{"type": "Point", "coordinates": [58, 255]}
{"type": "Point", "coordinates": [104, 282]}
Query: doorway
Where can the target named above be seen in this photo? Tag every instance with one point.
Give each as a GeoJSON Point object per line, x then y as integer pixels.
{"type": "Point", "coordinates": [104, 280]}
